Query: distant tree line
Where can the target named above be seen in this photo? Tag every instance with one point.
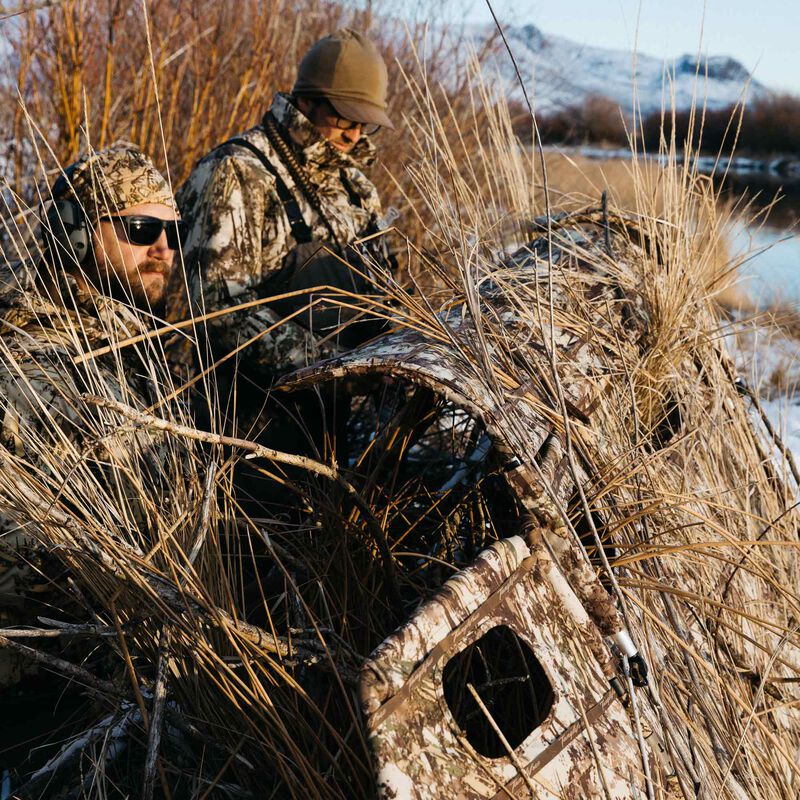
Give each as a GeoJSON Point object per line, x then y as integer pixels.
{"type": "Point", "coordinates": [767, 126]}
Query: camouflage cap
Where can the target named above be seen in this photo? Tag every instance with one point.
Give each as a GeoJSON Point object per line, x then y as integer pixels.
{"type": "Point", "coordinates": [111, 180]}
{"type": "Point", "coordinates": [347, 70]}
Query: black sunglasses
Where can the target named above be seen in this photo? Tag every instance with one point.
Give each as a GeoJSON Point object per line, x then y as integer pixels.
{"type": "Point", "coordinates": [145, 231]}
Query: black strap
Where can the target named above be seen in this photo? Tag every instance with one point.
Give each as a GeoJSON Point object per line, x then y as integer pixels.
{"type": "Point", "coordinates": [354, 197]}
{"type": "Point", "coordinates": [300, 228]}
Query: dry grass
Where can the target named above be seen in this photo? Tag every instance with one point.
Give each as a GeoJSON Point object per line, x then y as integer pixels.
{"type": "Point", "coordinates": [577, 181]}
{"type": "Point", "coordinates": [719, 613]}
{"type": "Point", "coordinates": [259, 628]}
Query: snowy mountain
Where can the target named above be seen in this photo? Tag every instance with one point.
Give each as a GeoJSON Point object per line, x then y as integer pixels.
{"type": "Point", "coordinates": [559, 72]}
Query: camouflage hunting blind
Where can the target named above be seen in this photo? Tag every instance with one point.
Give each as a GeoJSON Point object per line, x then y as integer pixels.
{"type": "Point", "coordinates": [498, 685]}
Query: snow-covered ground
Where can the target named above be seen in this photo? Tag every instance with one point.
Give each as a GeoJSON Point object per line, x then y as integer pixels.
{"type": "Point", "coordinates": [785, 418]}
{"type": "Point", "coordinates": [769, 362]}
{"type": "Point", "coordinates": [767, 357]}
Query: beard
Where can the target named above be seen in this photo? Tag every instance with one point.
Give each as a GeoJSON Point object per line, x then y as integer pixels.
{"type": "Point", "coordinates": [147, 286]}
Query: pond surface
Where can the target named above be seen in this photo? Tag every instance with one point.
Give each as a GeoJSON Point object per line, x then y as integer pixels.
{"type": "Point", "coordinates": [771, 273]}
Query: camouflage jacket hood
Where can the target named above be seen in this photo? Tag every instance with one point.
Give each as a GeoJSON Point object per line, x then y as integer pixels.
{"type": "Point", "coordinates": [239, 232]}
{"type": "Point", "coordinates": [314, 152]}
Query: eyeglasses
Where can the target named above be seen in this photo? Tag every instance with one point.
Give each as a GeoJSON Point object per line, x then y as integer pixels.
{"type": "Point", "coordinates": [335, 121]}
{"type": "Point", "coordinates": [145, 231]}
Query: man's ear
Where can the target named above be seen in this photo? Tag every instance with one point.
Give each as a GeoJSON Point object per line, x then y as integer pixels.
{"type": "Point", "coordinates": [303, 105]}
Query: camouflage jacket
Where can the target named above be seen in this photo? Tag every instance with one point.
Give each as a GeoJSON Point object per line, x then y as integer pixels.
{"type": "Point", "coordinates": [40, 383]}
{"type": "Point", "coordinates": [240, 233]}
{"type": "Point", "coordinates": [47, 430]}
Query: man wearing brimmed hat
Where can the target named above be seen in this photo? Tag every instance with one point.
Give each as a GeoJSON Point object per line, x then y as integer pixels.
{"type": "Point", "coordinates": [343, 78]}
{"type": "Point", "coordinates": [282, 208]}
{"type": "Point", "coordinates": [109, 234]}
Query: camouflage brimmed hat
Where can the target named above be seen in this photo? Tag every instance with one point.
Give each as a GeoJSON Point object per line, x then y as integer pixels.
{"type": "Point", "coordinates": [347, 70]}
{"type": "Point", "coordinates": [111, 180]}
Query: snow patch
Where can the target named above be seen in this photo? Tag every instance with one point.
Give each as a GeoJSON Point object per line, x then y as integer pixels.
{"type": "Point", "coordinates": [769, 363]}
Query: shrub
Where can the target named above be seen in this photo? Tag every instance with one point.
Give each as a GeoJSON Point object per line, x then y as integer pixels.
{"type": "Point", "coordinates": [598, 119]}
{"type": "Point", "coordinates": [770, 125]}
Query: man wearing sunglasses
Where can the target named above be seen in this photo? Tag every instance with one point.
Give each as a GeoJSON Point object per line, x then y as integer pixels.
{"type": "Point", "coordinates": [109, 234]}
{"type": "Point", "coordinates": [284, 207]}
{"type": "Point", "coordinates": [113, 227]}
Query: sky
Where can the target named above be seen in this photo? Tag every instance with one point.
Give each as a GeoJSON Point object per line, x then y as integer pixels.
{"type": "Point", "coordinates": [763, 34]}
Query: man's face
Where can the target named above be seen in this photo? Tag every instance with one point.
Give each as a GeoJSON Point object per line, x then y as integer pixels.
{"type": "Point", "coordinates": [340, 133]}
{"type": "Point", "coordinates": [135, 273]}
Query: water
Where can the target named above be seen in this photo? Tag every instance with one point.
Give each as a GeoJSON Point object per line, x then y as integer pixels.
{"type": "Point", "coordinates": [771, 275]}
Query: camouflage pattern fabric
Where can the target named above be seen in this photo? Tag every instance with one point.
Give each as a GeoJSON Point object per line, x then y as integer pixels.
{"type": "Point", "coordinates": [240, 234]}
{"type": "Point", "coordinates": [578, 742]}
{"type": "Point", "coordinates": [41, 410]}
{"type": "Point", "coordinates": [107, 181]}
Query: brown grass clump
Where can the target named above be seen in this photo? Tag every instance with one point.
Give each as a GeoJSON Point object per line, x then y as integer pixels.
{"type": "Point", "coordinates": [787, 319]}
{"type": "Point", "coordinates": [766, 127]}
{"type": "Point", "coordinates": [596, 120]}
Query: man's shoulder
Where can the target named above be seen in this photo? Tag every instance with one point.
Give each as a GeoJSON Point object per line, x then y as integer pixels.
{"type": "Point", "coordinates": [230, 158]}
{"type": "Point", "coordinates": [242, 149]}
{"type": "Point", "coordinates": [38, 375]}
{"type": "Point", "coordinates": [53, 355]}
{"type": "Point", "coordinates": [64, 323]}
{"type": "Point", "coordinates": [359, 180]}
{"type": "Point", "coordinates": [48, 366]}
